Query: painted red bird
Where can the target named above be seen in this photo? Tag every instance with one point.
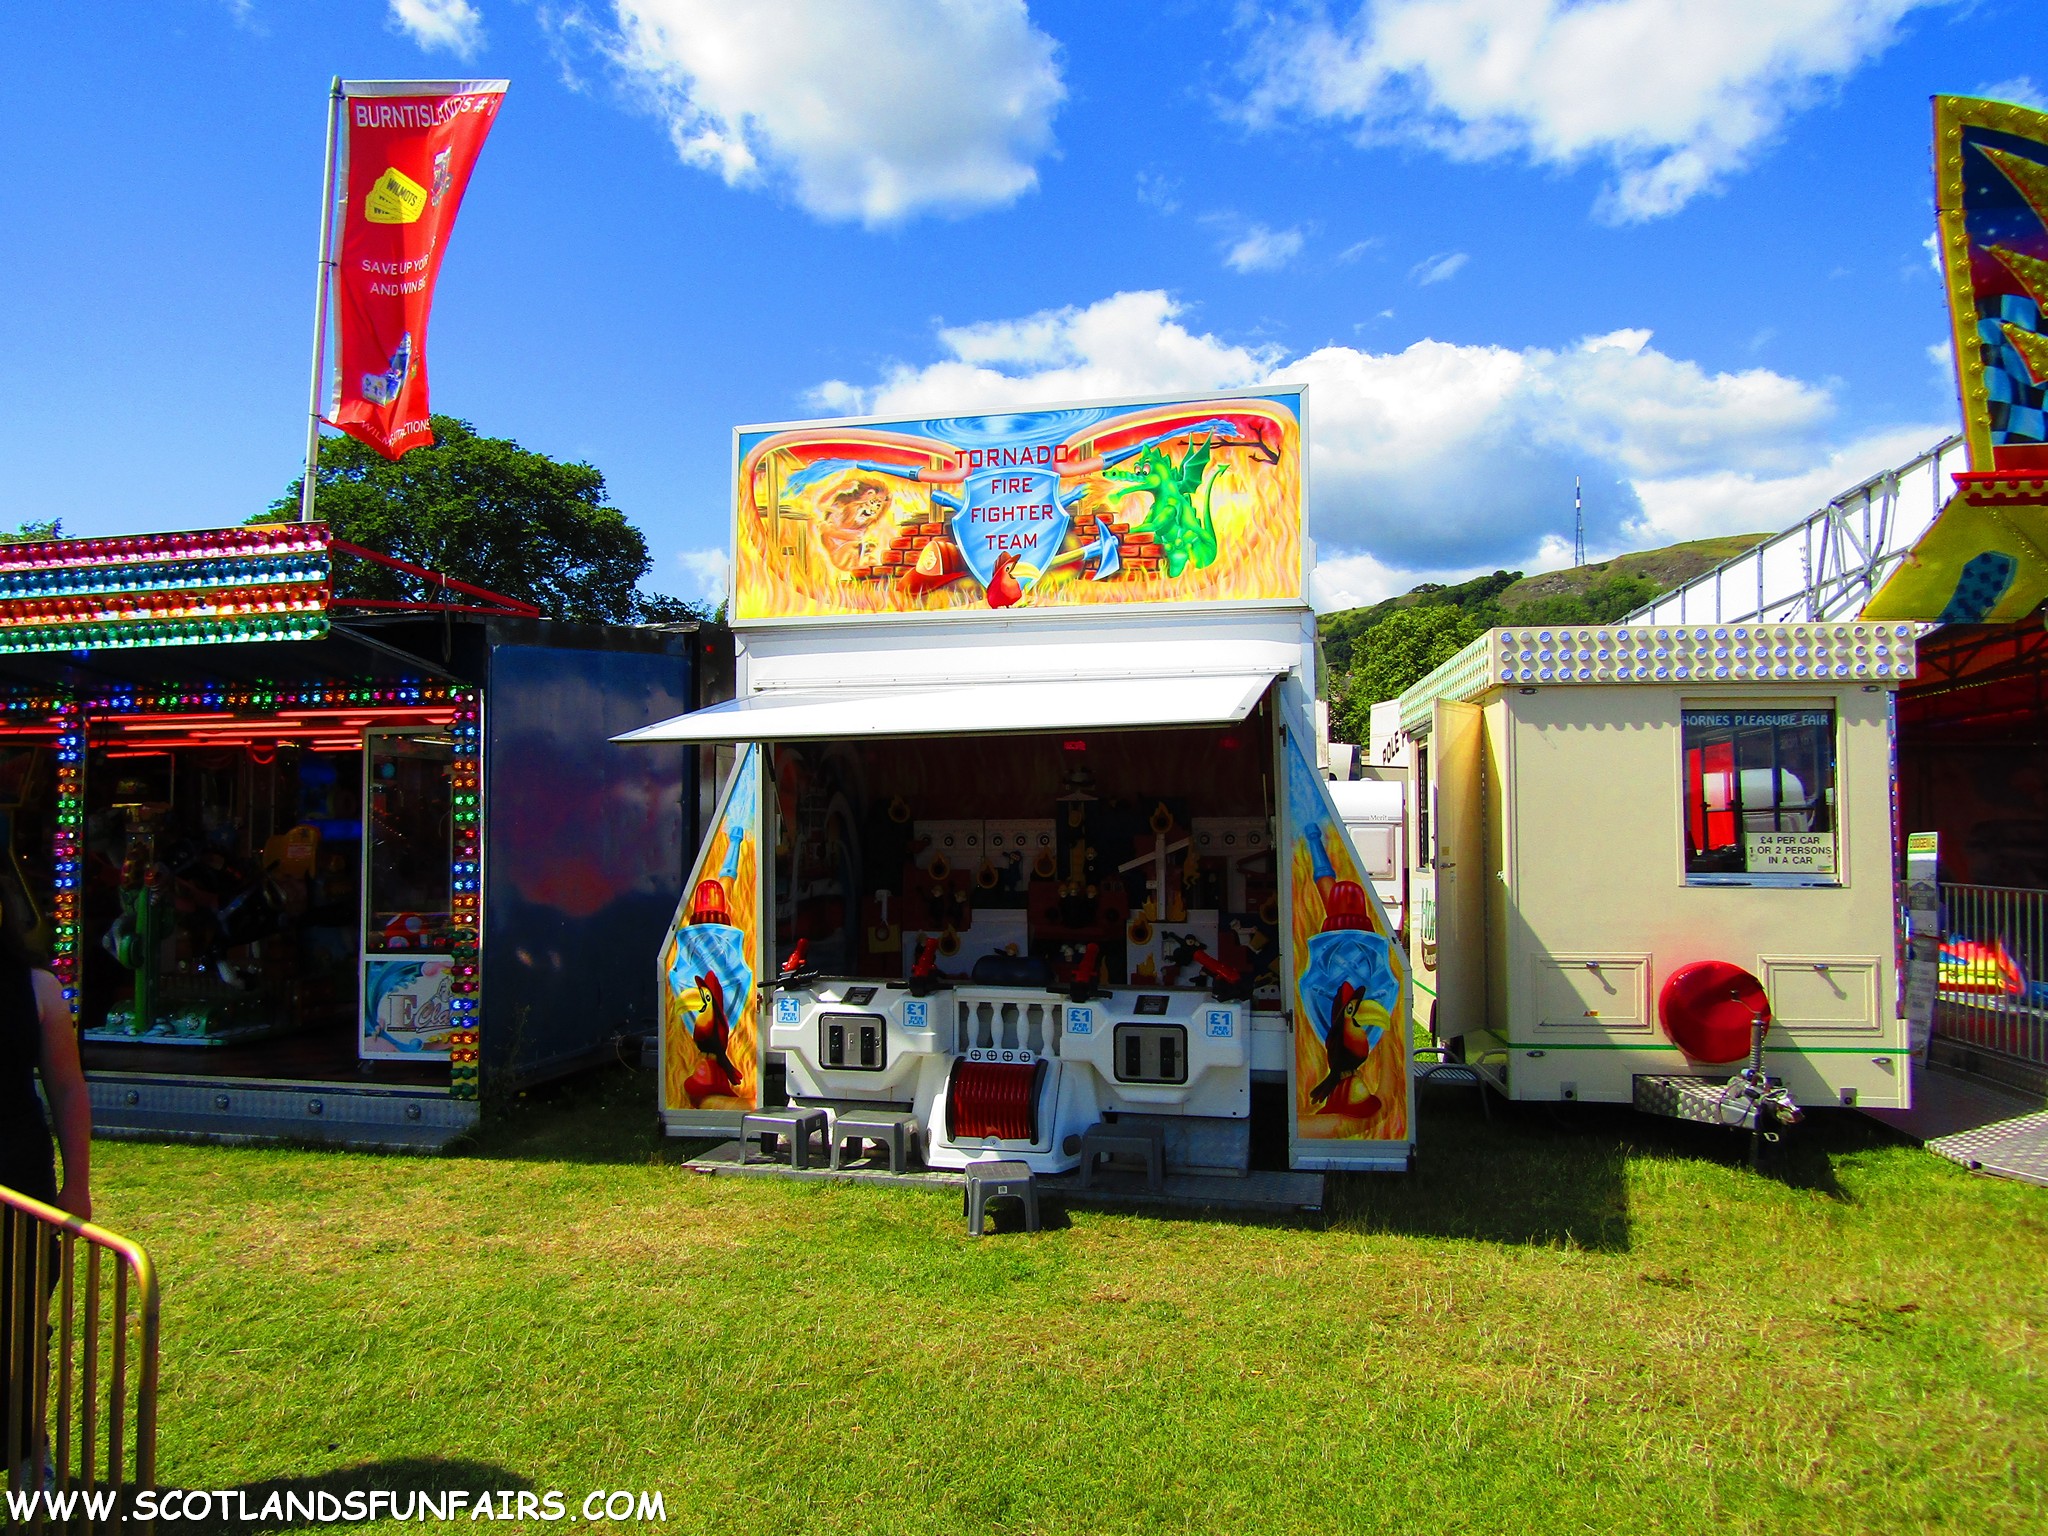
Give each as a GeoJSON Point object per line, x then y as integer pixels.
{"type": "Point", "coordinates": [1003, 589]}
{"type": "Point", "coordinates": [1349, 1042]}
{"type": "Point", "coordinates": [711, 1033]}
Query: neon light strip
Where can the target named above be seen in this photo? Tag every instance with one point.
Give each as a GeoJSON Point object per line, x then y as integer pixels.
{"type": "Point", "coordinates": [264, 698]}
{"type": "Point", "coordinates": [116, 581]}
{"type": "Point", "coordinates": [1643, 653]}
{"type": "Point", "coordinates": [129, 636]}
{"type": "Point", "coordinates": [301, 719]}
{"type": "Point", "coordinates": [66, 850]}
{"type": "Point", "coordinates": [459, 712]}
{"type": "Point", "coordinates": [133, 549]}
{"type": "Point", "coordinates": [261, 740]}
{"type": "Point", "coordinates": [152, 607]}
{"type": "Point", "coordinates": [466, 896]}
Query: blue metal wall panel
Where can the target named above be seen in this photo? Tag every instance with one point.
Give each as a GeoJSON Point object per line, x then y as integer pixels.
{"type": "Point", "coordinates": [586, 846]}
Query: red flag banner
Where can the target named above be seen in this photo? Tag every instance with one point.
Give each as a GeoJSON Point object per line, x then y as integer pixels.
{"type": "Point", "coordinates": [407, 147]}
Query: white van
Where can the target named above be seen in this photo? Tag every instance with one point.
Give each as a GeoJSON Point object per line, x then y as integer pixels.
{"type": "Point", "coordinates": [1371, 809]}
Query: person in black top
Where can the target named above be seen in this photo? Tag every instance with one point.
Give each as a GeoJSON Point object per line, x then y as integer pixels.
{"type": "Point", "coordinates": [36, 1038]}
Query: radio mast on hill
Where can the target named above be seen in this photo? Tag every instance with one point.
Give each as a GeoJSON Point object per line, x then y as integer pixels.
{"type": "Point", "coordinates": [1578, 525]}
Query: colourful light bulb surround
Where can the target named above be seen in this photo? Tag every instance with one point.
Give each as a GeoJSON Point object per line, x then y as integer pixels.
{"type": "Point", "coordinates": [66, 721]}
{"type": "Point", "coordinates": [266, 540]}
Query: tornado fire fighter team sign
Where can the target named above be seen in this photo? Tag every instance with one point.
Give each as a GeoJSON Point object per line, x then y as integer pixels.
{"type": "Point", "coordinates": [407, 150]}
{"type": "Point", "coordinates": [1196, 500]}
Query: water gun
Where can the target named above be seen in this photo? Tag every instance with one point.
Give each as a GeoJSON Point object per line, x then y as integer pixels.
{"type": "Point", "coordinates": [797, 969]}
{"type": "Point", "coordinates": [1227, 982]}
{"type": "Point", "coordinates": [1079, 975]}
{"type": "Point", "coordinates": [924, 970]}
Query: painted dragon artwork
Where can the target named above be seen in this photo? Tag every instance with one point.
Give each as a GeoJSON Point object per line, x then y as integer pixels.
{"type": "Point", "coordinates": [1090, 506]}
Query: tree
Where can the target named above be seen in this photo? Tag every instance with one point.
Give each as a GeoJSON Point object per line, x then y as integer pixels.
{"type": "Point", "coordinates": [486, 511]}
{"type": "Point", "coordinates": [1398, 652]}
{"type": "Point", "coordinates": [1376, 653]}
{"type": "Point", "coordinates": [660, 608]}
{"type": "Point", "coordinates": [1605, 602]}
{"type": "Point", "coordinates": [35, 533]}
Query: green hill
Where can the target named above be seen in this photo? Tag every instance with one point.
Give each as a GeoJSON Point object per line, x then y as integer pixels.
{"type": "Point", "coordinates": [1370, 654]}
{"type": "Point", "coordinates": [1668, 567]}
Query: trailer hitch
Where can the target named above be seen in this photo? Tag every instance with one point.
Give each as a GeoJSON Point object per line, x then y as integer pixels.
{"type": "Point", "coordinates": [1752, 1096]}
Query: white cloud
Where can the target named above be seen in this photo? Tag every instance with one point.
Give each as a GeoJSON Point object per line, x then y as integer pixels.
{"type": "Point", "coordinates": [1159, 193]}
{"type": "Point", "coordinates": [2019, 90]}
{"type": "Point", "coordinates": [1128, 344]}
{"type": "Point", "coordinates": [1439, 268]}
{"type": "Point", "coordinates": [1441, 458]}
{"type": "Point", "coordinates": [1932, 245]}
{"type": "Point", "coordinates": [704, 573]}
{"type": "Point", "coordinates": [1354, 579]}
{"type": "Point", "coordinates": [873, 110]}
{"type": "Point", "coordinates": [455, 25]}
{"type": "Point", "coordinates": [1697, 506]}
{"type": "Point", "coordinates": [1553, 553]}
{"type": "Point", "coordinates": [1260, 249]}
{"type": "Point", "coordinates": [1673, 95]}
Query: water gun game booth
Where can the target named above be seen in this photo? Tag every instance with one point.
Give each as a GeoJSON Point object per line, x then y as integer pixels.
{"type": "Point", "coordinates": [1046, 877]}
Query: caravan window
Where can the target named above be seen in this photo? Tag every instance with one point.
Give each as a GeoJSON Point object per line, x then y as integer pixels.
{"type": "Point", "coordinates": [1760, 797]}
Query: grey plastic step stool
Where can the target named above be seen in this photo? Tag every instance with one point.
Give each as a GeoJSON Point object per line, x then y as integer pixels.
{"type": "Point", "coordinates": [795, 1125]}
{"type": "Point", "coordinates": [893, 1128]}
{"type": "Point", "coordinates": [1000, 1181]}
{"type": "Point", "coordinates": [1122, 1139]}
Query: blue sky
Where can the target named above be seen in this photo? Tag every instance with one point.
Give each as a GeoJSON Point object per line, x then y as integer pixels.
{"type": "Point", "coordinates": [1676, 247]}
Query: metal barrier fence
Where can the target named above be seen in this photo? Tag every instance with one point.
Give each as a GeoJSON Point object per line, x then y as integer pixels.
{"type": "Point", "coordinates": [80, 1384]}
{"type": "Point", "coordinates": [1994, 970]}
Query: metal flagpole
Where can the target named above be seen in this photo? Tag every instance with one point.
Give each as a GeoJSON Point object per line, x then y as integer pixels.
{"type": "Point", "coordinates": [1578, 525]}
{"type": "Point", "coordinates": [320, 290]}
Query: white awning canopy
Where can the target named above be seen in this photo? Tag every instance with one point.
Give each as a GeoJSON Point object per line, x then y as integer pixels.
{"type": "Point", "coordinates": [985, 709]}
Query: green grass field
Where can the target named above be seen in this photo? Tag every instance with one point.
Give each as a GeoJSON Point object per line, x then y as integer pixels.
{"type": "Point", "coordinates": [1601, 1324]}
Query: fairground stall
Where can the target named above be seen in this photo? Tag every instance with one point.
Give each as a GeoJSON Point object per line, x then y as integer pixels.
{"type": "Point", "coordinates": [1972, 787]}
{"type": "Point", "coordinates": [322, 868]}
{"type": "Point", "coordinates": [1025, 843]}
{"type": "Point", "coordinates": [1647, 852]}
